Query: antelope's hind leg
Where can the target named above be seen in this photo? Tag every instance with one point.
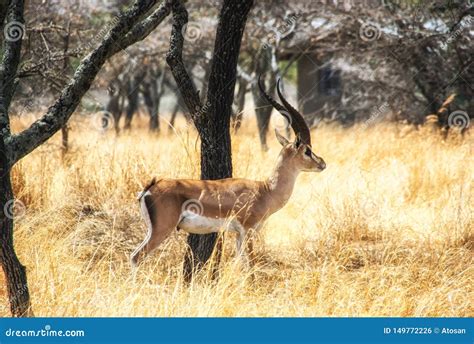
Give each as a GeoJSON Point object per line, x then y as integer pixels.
{"type": "Point", "coordinates": [160, 218]}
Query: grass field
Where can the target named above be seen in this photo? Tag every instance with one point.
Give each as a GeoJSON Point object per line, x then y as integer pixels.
{"type": "Point", "coordinates": [386, 230]}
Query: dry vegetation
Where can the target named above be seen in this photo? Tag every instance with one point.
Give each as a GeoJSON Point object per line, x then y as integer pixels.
{"type": "Point", "coordinates": [386, 230]}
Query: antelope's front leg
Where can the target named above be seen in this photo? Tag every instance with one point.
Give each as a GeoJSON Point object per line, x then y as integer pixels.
{"type": "Point", "coordinates": [241, 234]}
{"type": "Point", "coordinates": [250, 234]}
{"type": "Point", "coordinates": [241, 242]}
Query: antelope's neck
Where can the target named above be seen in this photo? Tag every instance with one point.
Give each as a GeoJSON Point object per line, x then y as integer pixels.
{"type": "Point", "coordinates": [281, 183]}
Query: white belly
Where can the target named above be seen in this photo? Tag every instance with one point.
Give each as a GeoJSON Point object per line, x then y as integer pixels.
{"type": "Point", "coordinates": [198, 224]}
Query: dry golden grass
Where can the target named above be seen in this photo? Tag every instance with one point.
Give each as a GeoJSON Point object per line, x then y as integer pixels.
{"type": "Point", "coordinates": [385, 230]}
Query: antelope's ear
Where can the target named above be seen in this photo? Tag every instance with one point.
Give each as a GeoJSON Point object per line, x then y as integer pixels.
{"type": "Point", "coordinates": [283, 141]}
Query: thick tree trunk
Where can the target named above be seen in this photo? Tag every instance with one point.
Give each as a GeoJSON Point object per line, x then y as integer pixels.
{"type": "Point", "coordinates": [126, 31]}
{"type": "Point", "coordinates": [216, 154]}
{"type": "Point", "coordinates": [15, 272]}
{"type": "Point", "coordinates": [211, 119]}
{"type": "Point", "coordinates": [216, 163]}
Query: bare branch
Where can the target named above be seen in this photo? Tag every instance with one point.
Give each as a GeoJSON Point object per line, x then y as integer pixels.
{"type": "Point", "coordinates": [174, 58]}
{"type": "Point", "coordinates": [144, 28]}
{"type": "Point", "coordinates": [59, 113]}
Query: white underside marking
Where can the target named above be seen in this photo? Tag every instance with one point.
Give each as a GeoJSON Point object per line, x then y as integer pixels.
{"type": "Point", "coordinates": [146, 218]}
{"type": "Point", "coordinates": [198, 224]}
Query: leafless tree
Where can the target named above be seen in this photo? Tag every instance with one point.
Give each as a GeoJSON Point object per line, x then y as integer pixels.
{"type": "Point", "coordinates": [132, 25]}
{"type": "Point", "coordinates": [212, 116]}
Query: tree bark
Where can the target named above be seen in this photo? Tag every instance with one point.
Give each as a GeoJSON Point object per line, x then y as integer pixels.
{"type": "Point", "coordinates": [212, 119]}
{"type": "Point", "coordinates": [15, 272]}
{"type": "Point", "coordinates": [65, 128]}
{"type": "Point", "coordinates": [126, 31]}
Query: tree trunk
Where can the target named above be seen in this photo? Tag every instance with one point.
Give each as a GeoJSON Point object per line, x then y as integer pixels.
{"type": "Point", "coordinates": [308, 78]}
{"type": "Point", "coordinates": [64, 140]}
{"type": "Point", "coordinates": [216, 154]}
{"type": "Point", "coordinates": [154, 91]}
{"type": "Point", "coordinates": [127, 30]}
{"type": "Point", "coordinates": [263, 113]}
{"type": "Point", "coordinates": [132, 106]}
{"type": "Point", "coordinates": [173, 117]}
{"type": "Point", "coordinates": [113, 106]}
{"type": "Point", "coordinates": [149, 95]}
{"type": "Point", "coordinates": [15, 272]}
{"type": "Point", "coordinates": [65, 128]}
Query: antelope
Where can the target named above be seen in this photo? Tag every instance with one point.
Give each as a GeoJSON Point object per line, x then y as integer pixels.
{"type": "Point", "coordinates": [232, 204]}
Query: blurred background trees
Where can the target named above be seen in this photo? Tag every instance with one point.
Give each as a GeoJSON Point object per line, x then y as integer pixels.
{"type": "Point", "coordinates": [344, 61]}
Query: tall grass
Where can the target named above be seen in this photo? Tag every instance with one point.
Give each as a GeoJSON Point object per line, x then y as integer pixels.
{"type": "Point", "coordinates": [385, 230]}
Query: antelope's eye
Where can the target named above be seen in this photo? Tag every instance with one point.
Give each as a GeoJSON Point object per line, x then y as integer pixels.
{"type": "Point", "coordinates": [307, 152]}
